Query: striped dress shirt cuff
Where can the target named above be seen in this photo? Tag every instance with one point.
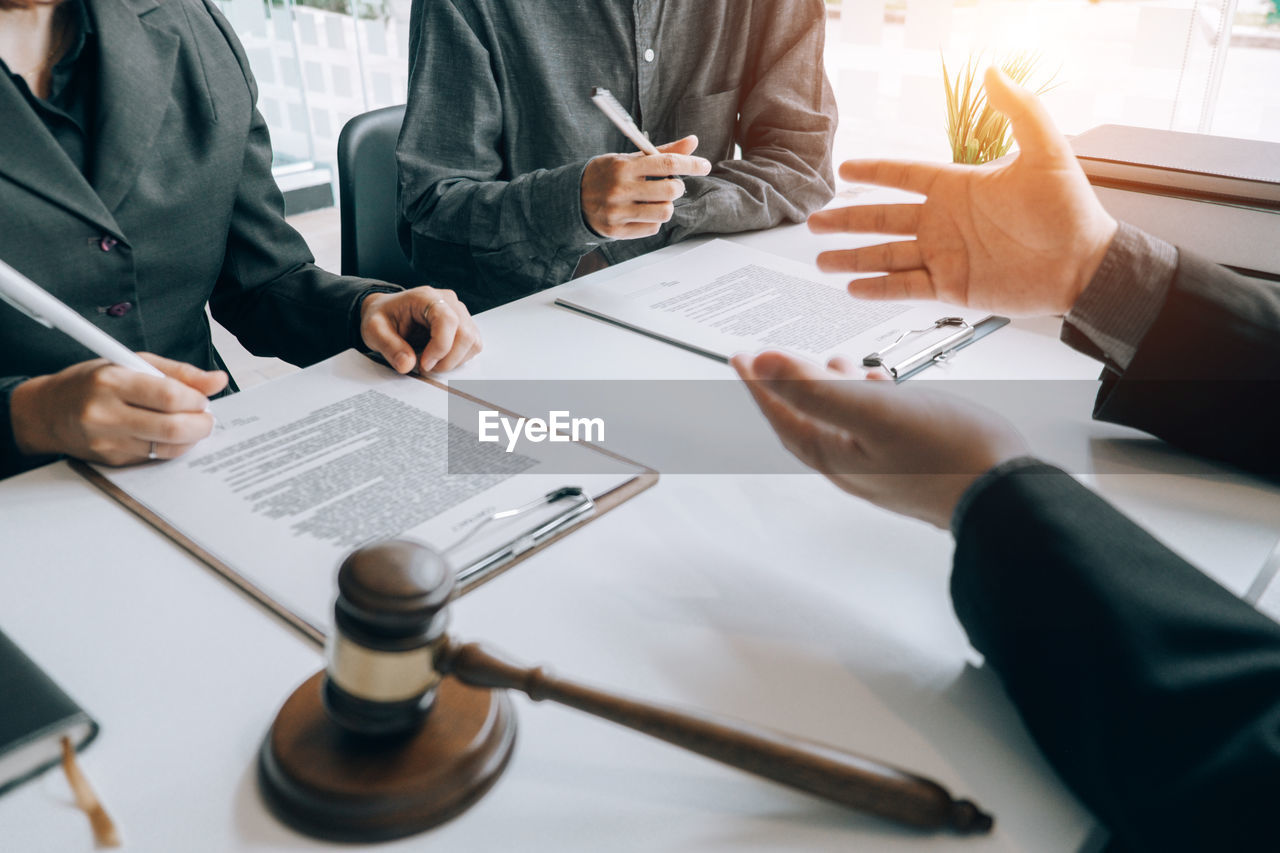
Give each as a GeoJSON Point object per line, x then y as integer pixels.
{"type": "Point", "coordinates": [1123, 299]}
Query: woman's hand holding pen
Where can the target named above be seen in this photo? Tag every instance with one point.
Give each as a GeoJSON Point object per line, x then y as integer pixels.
{"type": "Point", "coordinates": [102, 412]}
{"type": "Point", "coordinates": [620, 196]}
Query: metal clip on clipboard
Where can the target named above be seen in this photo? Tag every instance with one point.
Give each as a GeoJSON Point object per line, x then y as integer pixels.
{"type": "Point", "coordinates": [513, 532]}
{"type": "Point", "coordinates": [918, 348]}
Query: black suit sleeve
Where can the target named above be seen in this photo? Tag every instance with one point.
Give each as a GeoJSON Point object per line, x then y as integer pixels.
{"type": "Point", "coordinates": [270, 294]}
{"type": "Point", "coordinates": [1153, 691]}
{"type": "Point", "coordinates": [1204, 376]}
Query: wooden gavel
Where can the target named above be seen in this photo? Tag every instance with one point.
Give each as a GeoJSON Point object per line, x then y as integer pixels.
{"type": "Point", "coordinates": [406, 728]}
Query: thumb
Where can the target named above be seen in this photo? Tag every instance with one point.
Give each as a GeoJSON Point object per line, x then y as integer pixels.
{"type": "Point", "coordinates": [681, 146]}
{"type": "Point", "coordinates": [1038, 140]}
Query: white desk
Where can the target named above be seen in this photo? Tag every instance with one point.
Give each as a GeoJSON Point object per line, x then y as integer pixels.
{"type": "Point", "coordinates": [773, 598]}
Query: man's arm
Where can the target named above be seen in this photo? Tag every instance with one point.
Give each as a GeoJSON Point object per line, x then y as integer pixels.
{"type": "Point", "coordinates": [464, 223]}
{"type": "Point", "coordinates": [1190, 349]}
{"type": "Point", "coordinates": [1153, 691]}
{"type": "Point", "coordinates": [785, 129]}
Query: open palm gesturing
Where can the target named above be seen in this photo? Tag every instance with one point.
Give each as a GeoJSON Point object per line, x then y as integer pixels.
{"type": "Point", "coordinates": [1022, 237]}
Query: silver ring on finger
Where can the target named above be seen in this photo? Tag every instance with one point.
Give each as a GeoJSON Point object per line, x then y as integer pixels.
{"type": "Point", "coordinates": [151, 452]}
{"type": "Point", "coordinates": [427, 313]}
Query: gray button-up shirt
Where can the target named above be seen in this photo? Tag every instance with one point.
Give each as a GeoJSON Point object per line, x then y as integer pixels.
{"type": "Point", "coordinates": [500, 125]}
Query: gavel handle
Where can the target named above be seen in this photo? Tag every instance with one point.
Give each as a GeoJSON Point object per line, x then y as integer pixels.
{"type": "Point", "coordinates": [832, 774]}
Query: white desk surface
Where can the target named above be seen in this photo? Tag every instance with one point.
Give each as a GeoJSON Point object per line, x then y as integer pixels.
{"type": "Point", "coordinates": [773, 598]}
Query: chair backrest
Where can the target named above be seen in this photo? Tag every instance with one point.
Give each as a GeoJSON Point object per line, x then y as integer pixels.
{"type": "Point", "coordinates": [367, 181]}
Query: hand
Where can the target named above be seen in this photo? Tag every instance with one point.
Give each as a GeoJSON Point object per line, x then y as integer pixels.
{"type": "Point", "coordinates": [1021, 238]}
{"type": "Point", "coordinates": [425, 327]}
{"type": "Point", "coordinates": [909, 451]}
{"type": "Point", "coordinates": [102, 412]}
{"type": "Point", "coordinates": [619, 197]}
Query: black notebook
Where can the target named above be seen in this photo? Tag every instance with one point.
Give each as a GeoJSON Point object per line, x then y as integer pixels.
{"type": "Point", "coordinates": [35, 714]}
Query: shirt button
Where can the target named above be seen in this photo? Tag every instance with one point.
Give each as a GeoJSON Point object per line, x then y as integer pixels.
{"type": "Point", "coordinates": [119, 309]}
{"type": "Point", "coordinates": [106, 244]}
{"type": "Point", "coordinates": [648, 55]}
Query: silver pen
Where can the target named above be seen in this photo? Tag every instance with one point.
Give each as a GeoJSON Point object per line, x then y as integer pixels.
{"type": "Point", "coordinates": [52, 313]}
{"type": "Point", "coordinates": [609, 105]}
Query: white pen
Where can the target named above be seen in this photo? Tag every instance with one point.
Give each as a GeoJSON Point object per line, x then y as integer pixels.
{"type": "Point", "coordinates": [49, 311]}
{"type": "Point", "coordinates": [609, 105]}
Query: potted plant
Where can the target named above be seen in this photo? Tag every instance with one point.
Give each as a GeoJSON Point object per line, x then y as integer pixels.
{"type": "Point", "coordinates": [977, 133]}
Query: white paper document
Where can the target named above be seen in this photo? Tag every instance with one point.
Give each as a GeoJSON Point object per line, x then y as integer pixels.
{"type": "Point", "coordinates": [722, 298]}
{"type": "Point", "coordinates": [302, 470]}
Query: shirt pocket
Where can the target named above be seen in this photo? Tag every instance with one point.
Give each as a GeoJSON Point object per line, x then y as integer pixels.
{"type": "Point", "coordinates": [714, 118]}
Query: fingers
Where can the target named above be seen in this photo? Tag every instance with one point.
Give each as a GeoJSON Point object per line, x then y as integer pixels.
{"type": "Point", "coordinates": [175, 393]}
{"type": "Point", "coordinates": [391, 323]}
{"type": "Point", "coordinates": [635, 230]}
{"type": "Point", "coordinates": [661, 165]}
{"type": "Point", "coordinates": [687, 145]}
{"type": "Point", "coordinates": [454, 336]}
{"type": "Point", "coordinates": [180, 430]}
{"type": "Point", "coordinates": [911, 284]}
{"type": "Point", "coordinates": [645, 212]}
{"type": "Point", "coordinates": [381, 335]}
{"type": "Point", "coordinates": [118, 433]}
{"type": "Point", "coordinates": [1038, 139]}
{"type": "Point", "coordinates": [900, 174]}
{"type": "Point", "coordinates": [855, 407]}
{"type": "Point", "coordinates": [654, 191]}
{"type": "Point", "coordinates": [163, 452]}
{"type": "Point", "coordinates": [444, 325]}
{"type": "Point", "coordinates": [618, 221]}
{"type": "Point", "coordinates": [884, 257]}
{"type": "Point", "coordinates": [846, 367]}
{"type": "Point", "coordinates": [623, 196]}
{"type": "Point", "coordinates": [867, 218]}
{"type": "Point", "coordinates": [805, 438]}
{"type": "Point", "coordinates": [206, 382]}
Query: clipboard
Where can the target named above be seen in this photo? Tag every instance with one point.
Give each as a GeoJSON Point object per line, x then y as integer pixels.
{"type": "Point", "coordinates": [915, 350]}
{"type": "Point", "coordinates": [570, 508]}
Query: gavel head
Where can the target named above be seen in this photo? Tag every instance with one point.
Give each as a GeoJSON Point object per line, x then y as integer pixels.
{"type": "Point", "coordinates": [407, 770]}
{"type": "Point", "coordinates": [389, 622]}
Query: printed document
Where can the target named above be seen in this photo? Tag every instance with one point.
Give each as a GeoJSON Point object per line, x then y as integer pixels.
{"type": "Point", "coordinates": [302, 470]}
{"type": "Point", "coordinates": [722, 298]}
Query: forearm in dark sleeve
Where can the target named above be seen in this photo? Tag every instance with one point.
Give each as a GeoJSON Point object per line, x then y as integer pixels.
{"type": "Point", "coordinates": [490, 239]}
{"type": "Point", "coordinates": [1206, 375]}
{"type": "Point", "coordinates": [269, 293]}
{"type": "Point", "coordinates": [1153, 691]}
{"type": "Point", "coordinates": [12, 460]}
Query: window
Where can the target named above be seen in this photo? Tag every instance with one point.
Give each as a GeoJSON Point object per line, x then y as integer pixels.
{"type": "Point", "coordinates": [1210, 66]}
{"type": "Point", "coordinates": [1200, 65]}
{"type": "Point", "coordinates": [318, 63]}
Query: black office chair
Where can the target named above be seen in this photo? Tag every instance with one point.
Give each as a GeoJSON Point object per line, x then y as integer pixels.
{"type": "Point", "coordinates": [367, 182]}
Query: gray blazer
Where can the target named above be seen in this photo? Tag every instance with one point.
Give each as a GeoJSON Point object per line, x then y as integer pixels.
{"type": "Point", "coordinates": [182, 210]}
